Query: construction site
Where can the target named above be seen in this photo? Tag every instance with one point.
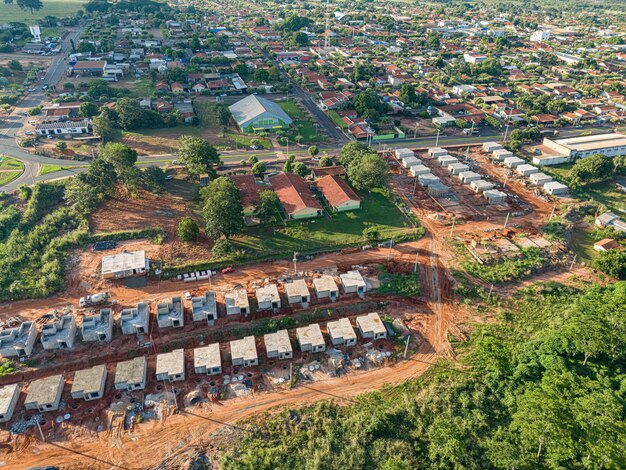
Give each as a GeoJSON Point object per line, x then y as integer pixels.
{"type": "Point", "coordinates": [281, 334]}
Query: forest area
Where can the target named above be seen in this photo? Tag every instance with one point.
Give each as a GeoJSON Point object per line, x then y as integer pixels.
{"type": "Point", "coordinates": [539, 383]}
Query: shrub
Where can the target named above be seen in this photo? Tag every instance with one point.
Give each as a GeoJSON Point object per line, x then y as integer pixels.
{"type": "Point", "coordinates": [188, 229]}
{"type": "Point", "coordinates": [222, 248]}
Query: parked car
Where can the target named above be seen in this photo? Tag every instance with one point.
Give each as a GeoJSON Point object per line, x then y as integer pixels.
{"type": "Point", "coordinates": [227, 270]}
{"type": "Point", "coordinates": [29, 132]}
{"type": "Point", "coordinates": [169, 177]}
{"type": "Point", "coordinates": [187, 295]}
{"type": "Point", "coordinates": [256, 147]}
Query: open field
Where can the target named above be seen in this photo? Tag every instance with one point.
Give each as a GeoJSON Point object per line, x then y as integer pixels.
{"type": "Point", "coordinates": [58, 8]}
{"type": "Point", "coordinates": [303, 125]}
{"type": "Point", "coordinates": [10, 169]}
{"type": "Point", "coordinates": [8, 176]}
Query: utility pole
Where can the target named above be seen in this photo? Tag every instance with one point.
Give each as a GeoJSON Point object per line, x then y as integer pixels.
{"type": "Point", "coordinates": [43, 438]}
{"type": "Point", "coordinates": [573, 261]}
{"type": "Point", "coordinates": [552, 213]}
{"type": "Point", "coordinates": [416, 259]}
{"type": "Point", "coordinates": [437, 141]}
{"type": "Point", "coordinates": [415, 132]}
{"type": "Point", "coordinates": [452, 228]}
{"type": "Point", "coordinates": [507, 219]}
{"type": "Point", "coordinates": [406, 347]}
{"type": "Point", "coordinates": [295, 263]}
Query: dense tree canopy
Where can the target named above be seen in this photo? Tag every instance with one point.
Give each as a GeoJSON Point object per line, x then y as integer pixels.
{"type": "Point", "coordinates": [199, 156]}
{"type": "Point", "coordinates": [222, 208]}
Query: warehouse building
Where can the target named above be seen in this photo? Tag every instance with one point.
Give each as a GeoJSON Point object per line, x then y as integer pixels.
{"type": "Point", "coordinates": [571, 148]}
{"type": "Point", "coordinates": [255, 113]}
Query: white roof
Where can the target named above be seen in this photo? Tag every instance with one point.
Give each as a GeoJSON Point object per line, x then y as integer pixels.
{"type": "Point", "coordinates": [171, 363]}
{"type": "Point", "coordinates": [244, 348]}
{"type": "Point", "coordinates": [207, 356]}
{"type": "Point", "coordinates": [6, 397]}
{"type": "Point", "coordinates": [371, 322]}
{"type": "Point", "coordinates": [237, 298]}
{"type": "Point", "coordinates": [593, 142]}
{"type": "Point", "coordinates": [268, 293]}
{"type": "Point", "coordinates": [278, 341]}
{"type": "Point", "coordinates": [352, 278]}
{"type": "Point", "coordinates": [296, 287]}
{"type": "Point", "coordinates": [124, 261]}
{"type": "Point", "coordinates": [554, 185]}
{"type": "Point", "coordinates": [253, 106]}
{"type": "Point", "coordinates": [341, 328]}
{"type": "Point", "coordinates": [325, 283]}
{"type": "Point", "coordinates": [311, 334]}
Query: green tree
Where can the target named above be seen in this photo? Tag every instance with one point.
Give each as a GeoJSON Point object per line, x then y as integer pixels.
{"type": "Point", "coordinates": [15, 65]}
{"type": "Point", "coordinates": [259, 168]}
{"type": "Point", "coordinates": [61, 147]}
{"type": "Point", "coordinates": [121, 156]}
{"type": "Point", "coordinates": [154, 179]}
{"type": "Point", "coordinates": [222, 208]}
{"type": "Point", "coordinates": [103, 126]}
{"type": "Point", "coordinates": [612, 262]}
{"type": "Point", "coordinates": [407, 94]}
{"type": "Point", "coordinates": [370, 172]}
{"type": "Point", "coordinates": [594, 168]}
{"type": "Point", "coordinates": [267, 206]}
{"type": "Point", "coordinates": [313, 150]}
{"type": "Point", "coordinates": [353, 151]}
{"type": "Point", "coordinates": [222, 248]}
{"type": "Point", "coordinates": [253, 159]}
{"type": "Point", "coordinates": [261, 75]}
{"type": "Point", "coordinates": [301, 169]}
{"type": "Point", "coordinates": [188, 230]}
{"type": "Point", "coordinates": [199, 156]}
{"type": "Point", "coordinates": [288, 167]}
{"type": "Point", "coordinates": [326, 161]}
{"type": "Point", "coordinates": [88, 109]}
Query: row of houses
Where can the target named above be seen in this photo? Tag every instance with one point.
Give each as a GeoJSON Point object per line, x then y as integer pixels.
{"type": "Point", "coordinates": [44, 395]}
{"type": "Point", "coordinates": [60, 334]}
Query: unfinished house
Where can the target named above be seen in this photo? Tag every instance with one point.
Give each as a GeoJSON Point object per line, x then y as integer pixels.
{"type": "Point", "coordinates": [44, 394]}
{"type": "Point", "coordinates": [268, 297]}
{"type": "Point", "coordinates": [125, 264]}
{"type": "Point", "coordinates": [371, 326]}
{"type": "Point", "coordinates": [9, 394]}
{"type": "Point", "coordinates": [89, 383]}
{"type": "Point", "coordinates": [131, 375]}
{"type": "Point", "coordinates": [298, 292]}
{"type": "Point", "coordinates": [171, 366]}
{"type": "Point", "coordinates": [237, 302]}
{"type": "Point", "coordinates": [135, 321]}
{"type": "Point", "coordinates": [18, 341]}
{"type": "Point", "coordinates": [204, 308]}
{"type": "Point", "coordinates": [98, 327]}
{"type": "Point", "coordinates": [278, 345]}
{"type": "Point", "coordinates": [341, 332]}
{"type": "Point", "coordinates": [207, 360]}
{"type": "Point", "coordinates": [353, 282]}
{"type": "Point", "coordinates": [60, 334]}
{"type": "Point", "coordinates": [326, 288]}
{"type": "Point", "coordinates": [311, 339]}
{"type": "Point", "coordinates": [243, 352]}
{"type": "Point", "coordinates": [170, 313]}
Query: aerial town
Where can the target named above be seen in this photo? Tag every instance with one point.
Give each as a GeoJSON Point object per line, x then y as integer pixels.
{"type": "Point", "coordinates": [312, 235]}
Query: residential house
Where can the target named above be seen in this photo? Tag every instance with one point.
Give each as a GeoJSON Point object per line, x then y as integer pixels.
{"type": "Point", "coordinates": [89, 384]}
{"type": "Point", "coordinates": [341, 332]}
{"type": "Point", "coordinates": [9, 395]}
{"type": "Point", "coordinates": [237, 302]}
{"type": "Point", "coordinates": [170, 313]}
{"type": "Point", "coordinates": [125, 264]}
{"type": "Point", "coordinates": [170, 366]}
{"type": "Point", "coordinates": [353, 282]}
{"type": "Point", "coordinates": [268, 297]}
{"type": "Point", "coordinates": [98, 327]}
{"type": "Point", "coordinates": [371, 326]}
{"type": "Point", "coordinates": [18, 341]}
{"type": "Point", "coordinates": [131, 375]}
{"type": "Point", "coordinates": [44, 394]}
{"type": "Point", "coordinates": [207, 359]}
{"type": "Point", "coordinates": [59, 334]}
{"type": "Point", "coordinates": [278, 345]}
{"type": "Point", "coordinates": [64, 128]}
{"type": "Point", "coordinates": [298, 292]}
{"type": "Point", "coordinates": [204, 308]}
{"type": "Point", "coordinates": [243, 352]}
{"type": "Point", "coordinates": [135, 321]}
{"type": "Point", "coordinates": [325, 287]}
{"type": "Point", "coordinates": [295, 196]}
{"type": "Point", "coordinates": [311, 339]}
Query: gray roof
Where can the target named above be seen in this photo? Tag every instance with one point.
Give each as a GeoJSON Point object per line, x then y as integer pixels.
{"type": "Point", "coordinates": [89, 380]}
{"type": "Point", "coordinates": [44, 391]}
{"type": "Point", "coordinates": [254, 106]}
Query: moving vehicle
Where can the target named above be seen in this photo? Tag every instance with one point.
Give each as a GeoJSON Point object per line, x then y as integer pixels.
{"type": "Point", "coordinates": [95, 299]}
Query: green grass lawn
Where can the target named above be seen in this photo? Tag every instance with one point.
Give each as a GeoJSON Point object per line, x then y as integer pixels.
{"type": "Point", "coordinates": [290, 106]}
{"type": "Point", "coordinates": [559, 172]}
{"type": "Point", "coordinates": [583, 241]}
{"type": "Point", "coordinates": [47, 168]}
{"type": "Point", "coordinates": [246, 140]}
{"type": "Point", "coordinates": [320, 233]}
{"type": "Point", "coordinates": [8, 163]}
{"type": "Point", "coordinates": [336, 119]}
{"type": "Point", "coordinates": [58, 8]}
{"type": "Point", "coordinates": [302, 125]}
{"type": "Point", "coordinates": [604, 192]}
{"type": "Point", "coordinates": [8, 176]}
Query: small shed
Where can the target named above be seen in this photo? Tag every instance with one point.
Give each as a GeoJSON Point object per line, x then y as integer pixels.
{"type": "Point", "coordinates": [526, 170]}
{"type": "Point", "coordinates": [513, 162]}
{"type": "Point", "coordinates": [408, 162]}
{"type": "Point", "coordinates": [468, 176]}
{"type": "Point", "coordinates": [310, 338]}
{"type": "Point", "coordinates": [353, 282]}
{"type": "Point", "coordinates": [237, 302]}
{"type": "Point", "coordinates": [341, 332]}
{"type": "Point", "coordinates": [135, 321]}
{"type": "Point", "coordinates": [417, 170]}
{"type": "Point", "coordinates": [437, 189]}
{"type": "Point", "coordinates": [204, 308]}
{"type": "Point", "coordinates": [371, 326]}
{"type": "Point", "coordinates": [89, 383]}
{"type": "Point", "coordinates": [540, 178]}
{"type": "Point", "coordinates": [131, 375]}
{"type": "Point", "coordinates": [445, 160]}
{"type": "Point", "coordinates": [403, 153]}
{"type": "Point", "coordinates": [480, 186]}
{"type": "Point", "coordinates": [501, 154]}
{"type": "Point", "coordinates": [207, 360]}
{"type": "Point", "coordinates": [325, 287]}
{"type": "Point", "coordinates": [278, 345]}
{"type": "Point", "coordinates": [494, 196]}
{"type": "Point", "coordinates": [268, 297]}
{"type": "Point", "coordinates": [554, 188]}
{"type": "Point", "coordinates": [44, 394]}
{"type": "Point", "coordinates": [298, 292]}
{"type": "Point", "coordinates": [9, 395]}
{"type": "Point", "coordinates": [436, 152]}
{"type": "Point", "coordinates": [456, 168]}
{"type": "Point", "coordinates": [171, 366]}
{"type": "Point", "coordinates": [489, 147]}
{"type": "Point", "coordinates": [428, 179]}
{"type": "Point", "coordinates": [243, 352]}
{"type": "Point", "coordinates": [98, 327]}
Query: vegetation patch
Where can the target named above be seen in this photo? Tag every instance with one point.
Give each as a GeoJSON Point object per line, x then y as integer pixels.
{"type": "Point", "coordinates": [510, 269]}
{"type": "Point", "coordinates": [399, 284]}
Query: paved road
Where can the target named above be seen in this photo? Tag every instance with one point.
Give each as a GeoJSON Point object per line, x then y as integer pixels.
{"type": "Point", "coordinates": [10, 125]}
{"type": "Point", "coordinates": [328, 125]}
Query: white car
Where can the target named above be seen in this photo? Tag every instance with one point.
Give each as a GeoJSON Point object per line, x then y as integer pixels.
{"type": "Point", "coordinates": [188, 295]}
{"type": "Point", "coordinates": [29, 132]}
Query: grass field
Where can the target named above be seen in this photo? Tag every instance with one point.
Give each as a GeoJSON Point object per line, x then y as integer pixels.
{"type": "Point", "coordinates": [342, 229]}
{"type": "Point", "coordinates": [605, 192]}
{"type": "Point", "coordinates": [8, 176]}
{"type": "Point", "coordinates": [302, 125]}
{"type": "Point", "coordinates": [58, 8]}
{"type": "Point", "coordinates": [8, 163]}
{"type": "Point", "coordinates": [48, 168]}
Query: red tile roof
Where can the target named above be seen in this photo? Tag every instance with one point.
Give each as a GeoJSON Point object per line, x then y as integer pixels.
{"type": "Point", "coordinates": [337, 170]}
{"type": "Point", "coordinates": [248, 189]}
{"type": "Point", "coordinates": [294, 193]}
{"type": "Point", "coordinates": [335, 190]}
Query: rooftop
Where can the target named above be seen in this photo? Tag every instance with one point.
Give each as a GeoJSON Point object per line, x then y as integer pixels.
{"type": "Point", "coordinates": [44, 391]}
{"type": "Point", "coordinates": [268, 293]}
{"type": "Point", "coordinates": [297, 287]}
{"type": "Point", "coordinates": [131, 372]}
{"type": "Point", "coordinates": [371, 322]}
{"type": "Point", "coordinates": [593, 142]}
{"type": "Point", "coordinates": [237, 298]}
{"type": "Point", "coordinates": [207, 356]}
{"type": "Point", "coordinates": [294, 192]}
{"type": "Point", "coordinates": [171, 363]}
{"type": "Point", "coordinates": [311, 334]}
{"type": "Point", "coordinates": [325, 283]}
{"type": "Point", "coordinates": [341, 328]}
{"type": "Point", "coordinates": [244, 348]}
{"type": "Point", "coordinates": [352, 278]}
{"type": "Point", "coordinates": [125, 261]}
{"type": "Point", "coordinates": [278, 341]}
{"type": "Point", "coordinates": [252, 106]}
{"type": "Point", "coordinates": [89, 380]}
{"type": "Point", "coordinates": [6, 397]}
{"type": "Point", "coordinates": [248, 189]}
{"type": "Point", "coordinates": [336, 190]}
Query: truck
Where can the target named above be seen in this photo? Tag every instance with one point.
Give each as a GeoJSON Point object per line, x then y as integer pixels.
{"type": "Point", "coordinates": [95, 299]}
